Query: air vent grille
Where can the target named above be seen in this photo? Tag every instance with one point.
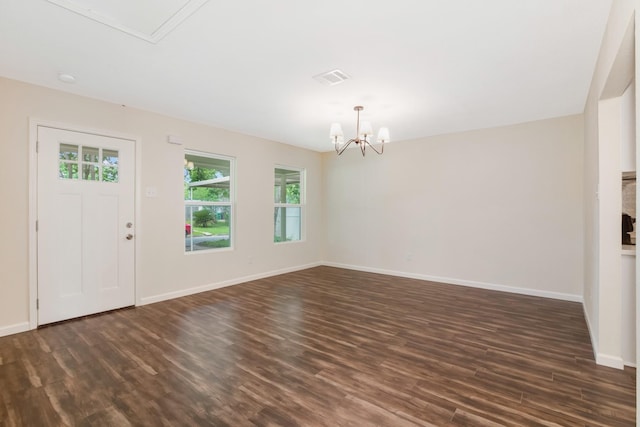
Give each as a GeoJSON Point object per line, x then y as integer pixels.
{"type": "Point", "coordinates": [331, 78]}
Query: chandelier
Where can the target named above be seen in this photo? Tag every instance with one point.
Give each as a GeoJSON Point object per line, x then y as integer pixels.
{"type": "Point", "coordinates": [364, 131]}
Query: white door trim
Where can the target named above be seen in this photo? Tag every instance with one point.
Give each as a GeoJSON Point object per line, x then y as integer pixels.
{"type": "Point", "coordinates": [33, 200]}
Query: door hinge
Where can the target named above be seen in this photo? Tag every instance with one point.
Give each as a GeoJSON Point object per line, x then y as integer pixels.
{"type": "Point", "coordinates": [37, 303]}
{"type": "Point", "coordinates": [37, 146]}
{"type": "Point", "coordinates": [37, 225]}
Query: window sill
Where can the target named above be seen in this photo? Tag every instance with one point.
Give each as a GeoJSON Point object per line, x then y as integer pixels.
{"type": "Point", "coordinates": [628, 250]}
{"type": "Point", "coordinates": [289, 242]}
{"type": "Point", "coordinates": [209, 251]}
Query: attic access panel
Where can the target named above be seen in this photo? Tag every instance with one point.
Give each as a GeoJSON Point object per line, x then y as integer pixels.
{"type": "Point", "coordinates": [149, 20]}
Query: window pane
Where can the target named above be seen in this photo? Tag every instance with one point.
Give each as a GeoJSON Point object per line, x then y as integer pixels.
{"type": "Point", "coordinates": [287, 186]}
{"type": "Point", "coordinates": [207, 227]}
{"type": "Point", "coordinates": [110, 157]}
{"type": "Point", "coordinates": [90, 154]}
{"type": "Point", "coordinates": [68, 170]}
{"type": "Point", "coordinates": [109, 165]}
{"type": "Point", "coordinates": [110, 174]}
{"type": "Point", "coordinates": [206, 179]}
{"type": "Point", "coordinates": [287, 224]}
{"type": "Point", "coordinates": [91, 172]}
{"type": "Point", "coordinates": [68, 152]}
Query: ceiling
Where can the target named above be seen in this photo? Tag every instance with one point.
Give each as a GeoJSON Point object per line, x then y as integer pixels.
{"type": "Point", "coordinates": [420, 67]}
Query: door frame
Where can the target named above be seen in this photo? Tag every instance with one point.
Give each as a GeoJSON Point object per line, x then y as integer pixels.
{"type": "Point", "coordinates": [34, 123]}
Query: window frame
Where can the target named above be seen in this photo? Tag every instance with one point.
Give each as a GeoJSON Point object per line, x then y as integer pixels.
{"type": "Point", "coordinates": [301, 205]}
{"type": "Point", "coordinates": [230, 203]}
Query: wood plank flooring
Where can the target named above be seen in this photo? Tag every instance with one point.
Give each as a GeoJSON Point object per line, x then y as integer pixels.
{"type": "Point", "coordinates": [319, 347]}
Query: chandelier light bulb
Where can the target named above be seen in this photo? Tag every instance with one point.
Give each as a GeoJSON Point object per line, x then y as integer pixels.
{"type": "Point", "coordinates": [383, 135]}
{"type": "Point", "coordinates": [365, 130]}
{"type": "Point", "coordinates": [336, 130]}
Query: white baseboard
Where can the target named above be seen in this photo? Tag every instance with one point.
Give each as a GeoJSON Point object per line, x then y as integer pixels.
{"type": "Point", "coordinates": [14, 329]}
{"type": "Point", "coordinates": [218, 285]}
{"type": "Point", "coordinates": [594, 342]}
{"type": "Point", "coordinates": [610, 361]}
{"type": "Point", "coordinates": [601, 358]}
{"type": "Point", "coordinates": [461, 282]}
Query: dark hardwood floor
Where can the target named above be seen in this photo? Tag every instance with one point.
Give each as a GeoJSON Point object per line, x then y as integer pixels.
{"type": "Point", "coordinates": [320, 347]}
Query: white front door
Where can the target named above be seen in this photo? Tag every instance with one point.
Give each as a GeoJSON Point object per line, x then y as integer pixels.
{"type": "Point", "coordinates": [86, 232]}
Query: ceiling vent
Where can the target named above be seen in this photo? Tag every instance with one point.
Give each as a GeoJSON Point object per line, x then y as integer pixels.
{"type": "Point", "coordinates": [332, 78]}
{"type": "Point", "coordinates": [148, 20]}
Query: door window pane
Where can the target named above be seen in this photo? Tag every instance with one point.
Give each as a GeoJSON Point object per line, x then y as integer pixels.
{"type": "Point", "coordinates": [110, 157]}
{"type": "Point", "coordinates": [68, 164]}
{"type": "Point", "coordinates": [110, 165]}
{"type": "Point", "coordinates": [68, 152]}
{"type": "Point", "coordinates": [110, 174]}
{"type": "Point", "coordinates": [68, 170]}
{"type": "Point", "coordinates": [90, 154]}
{"type": "Point", "coordinates": [90, 172]}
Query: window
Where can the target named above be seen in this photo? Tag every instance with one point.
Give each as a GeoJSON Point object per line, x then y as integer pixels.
{"type": "Point", "coordinates": [87, 163]}
{"type": "Point", "coordinates": [208, 201]}
{"type": "Point", "coordinates": [289, 204]}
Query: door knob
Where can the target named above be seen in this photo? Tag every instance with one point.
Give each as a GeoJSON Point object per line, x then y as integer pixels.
{"type": "Point", "coordinates": [129, 236]}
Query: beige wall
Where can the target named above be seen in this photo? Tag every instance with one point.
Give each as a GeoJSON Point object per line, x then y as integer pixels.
{"type": "Point", "coordinates": [498, 208]}
{"type": "Point", "coordinates": [163, 269]}
{"type": "Point", "coordinates": [495, 208]}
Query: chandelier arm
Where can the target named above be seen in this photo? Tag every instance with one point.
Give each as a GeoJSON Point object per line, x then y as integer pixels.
{"type": "Point", "coordinates": [344, 147]}
{"type": "Point", "coordinates": [374, 148]}
{"type": "Point", "coordinates": [336, 132]}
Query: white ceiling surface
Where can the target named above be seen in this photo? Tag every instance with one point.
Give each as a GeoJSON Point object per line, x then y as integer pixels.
{"type": "Point", "coordinates": [420, 67]}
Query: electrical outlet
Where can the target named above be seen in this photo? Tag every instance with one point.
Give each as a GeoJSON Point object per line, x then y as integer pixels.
{"type": "Point", "coordinates": [151, 192]}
